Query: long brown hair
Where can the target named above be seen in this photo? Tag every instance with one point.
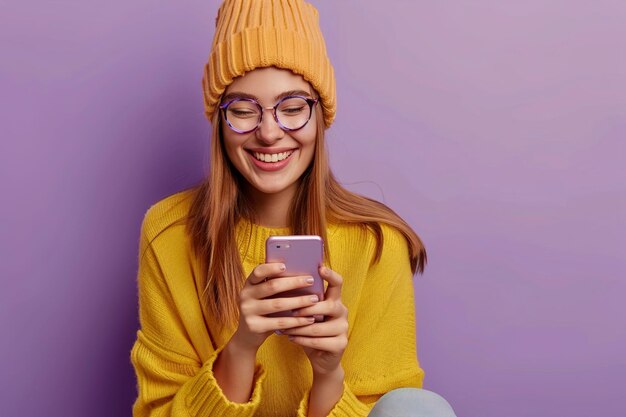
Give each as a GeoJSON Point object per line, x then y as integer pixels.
{"type": "Point", "coordinates": [219, 203]}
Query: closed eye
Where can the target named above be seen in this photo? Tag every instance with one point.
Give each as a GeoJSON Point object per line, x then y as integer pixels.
{"type": "Point", "coordinates": [292, 110]}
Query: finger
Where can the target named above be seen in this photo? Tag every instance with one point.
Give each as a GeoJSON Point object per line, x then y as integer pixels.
{"type": "Point", "coordinates": [276, 305]}
{"type": "Point", "coordinates": [335, 282]}
{"type": "Point", "coordinates": [263, 271]}
{"type": "Point", "coordinates": [281, 284]}
{"type": "Point", "coordinates": [282, 323]}
{"type": "Point", "coordinates": [335, 344]}
{"type": "Point", "coordinates": [260, 324]}
{"type": "Point", "coordinates": [328, 308]}
{"type": "Point", "coordinates": [325, 329]}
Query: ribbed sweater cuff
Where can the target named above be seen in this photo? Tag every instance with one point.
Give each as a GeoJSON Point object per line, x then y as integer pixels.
{"type": "Point", "coordinates": [205, 397]}
{"type": "Point", "coordinates": [347, 406]}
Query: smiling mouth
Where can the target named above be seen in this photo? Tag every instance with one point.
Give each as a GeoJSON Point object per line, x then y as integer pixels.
{"type": "Point", "coordinates": [271, 157]}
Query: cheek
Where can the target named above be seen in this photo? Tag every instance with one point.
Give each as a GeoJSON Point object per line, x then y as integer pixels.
{"type": "Point", "coordinates": [307, 135]}
{"type": "Point", "coordinates": [231, 147]}
{"type": "Point", "coordinates": [306, 141]}
{"type": "Point", "coordinates": [308, 151]}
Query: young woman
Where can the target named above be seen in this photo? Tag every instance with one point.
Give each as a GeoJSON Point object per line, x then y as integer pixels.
{"type": "Point", "coordinates": [209, 344]}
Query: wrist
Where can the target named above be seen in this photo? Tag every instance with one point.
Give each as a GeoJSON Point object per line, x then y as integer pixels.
{"type": "Point", "coordinates": [239, 348]}
{"type": "Point", "coordinates": [234, 371]}
{"type": "Point", "coordinates": [335, 375]}
{"type": "Point", "coordinates": [326, 391]}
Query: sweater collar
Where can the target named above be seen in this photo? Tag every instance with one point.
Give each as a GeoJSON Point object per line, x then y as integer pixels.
{"type": "Point", "coordinates": [251, 239]}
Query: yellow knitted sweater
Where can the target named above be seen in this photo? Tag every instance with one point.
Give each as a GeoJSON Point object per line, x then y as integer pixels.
{"type": "Point", "coordinates": [178, 342]}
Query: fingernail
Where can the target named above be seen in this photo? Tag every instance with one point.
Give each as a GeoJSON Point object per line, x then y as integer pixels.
{"type": "Point", "coordinates": [283, 267]}
{"type": "Point", "coordinates": [310, 280]}
{"type": "Point", "coordinates": [290, 337]}
{"type": "Point", "coordinates": [278, 332]}
{"type": "Point", "coordinates": [314, 298]}
{"type": "Point", "coordinates": [311, 319]}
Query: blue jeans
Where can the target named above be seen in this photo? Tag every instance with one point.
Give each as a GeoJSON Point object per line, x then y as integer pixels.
{"type": "Point", "coordinates": [411, 402]}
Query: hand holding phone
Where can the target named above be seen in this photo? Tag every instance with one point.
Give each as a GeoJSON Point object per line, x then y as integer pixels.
{"type": "Point", "coordinates": [302, 255]}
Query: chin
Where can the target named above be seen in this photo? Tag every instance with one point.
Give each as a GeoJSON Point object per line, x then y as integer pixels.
{"type": "Point", "coordinates": [272, 189]}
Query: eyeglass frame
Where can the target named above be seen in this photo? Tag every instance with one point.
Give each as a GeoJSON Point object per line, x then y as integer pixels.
{"type": "Point", "coordinates": [310, 101]}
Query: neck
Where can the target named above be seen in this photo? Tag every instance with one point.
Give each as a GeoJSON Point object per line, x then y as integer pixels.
{"type": "Point", "coordinates": [272, 210]}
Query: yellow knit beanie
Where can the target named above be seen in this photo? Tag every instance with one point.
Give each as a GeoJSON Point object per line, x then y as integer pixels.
{"type": "Point", "coordinates": [253, 34]}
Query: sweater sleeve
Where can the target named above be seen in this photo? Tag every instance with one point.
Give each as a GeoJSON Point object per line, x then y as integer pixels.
{"type": "Point", "coordinates": [381, 353]}
{"type": "Point", "coordinates": [171, 378]}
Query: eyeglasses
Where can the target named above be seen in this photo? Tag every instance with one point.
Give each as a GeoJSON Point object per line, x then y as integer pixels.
{"type": "Point", "coordinates": [243, 115]}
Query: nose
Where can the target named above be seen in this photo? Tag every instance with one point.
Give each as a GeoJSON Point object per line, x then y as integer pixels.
{"type": "Point", "coordinates": [269, 130]}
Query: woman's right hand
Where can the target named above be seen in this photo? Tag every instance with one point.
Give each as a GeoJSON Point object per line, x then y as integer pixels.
{"type": "Point", "coordinates": [254, 325]}
{"type": "Point", "coordinates": [235, 365]}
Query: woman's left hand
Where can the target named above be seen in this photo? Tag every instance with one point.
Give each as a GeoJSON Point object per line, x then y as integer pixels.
{"type": "Point", "coordinates": [324, 342]}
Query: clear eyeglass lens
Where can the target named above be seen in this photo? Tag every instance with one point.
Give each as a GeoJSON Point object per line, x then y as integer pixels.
{"type": "Point", "coordinates": [243, 115]}
{"type": "Point", "coordinates": [292, 113]}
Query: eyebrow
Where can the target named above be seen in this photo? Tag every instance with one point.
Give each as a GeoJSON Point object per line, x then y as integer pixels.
{"type": "Point", "coordinates": [241, 94]}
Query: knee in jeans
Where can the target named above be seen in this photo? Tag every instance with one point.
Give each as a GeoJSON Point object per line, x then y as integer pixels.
{"type": "Point", "coordinates": [412, 402]}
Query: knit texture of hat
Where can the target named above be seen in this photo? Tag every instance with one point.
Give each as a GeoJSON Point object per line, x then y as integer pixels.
{"type": "Point", "coordinates": [253, 34]}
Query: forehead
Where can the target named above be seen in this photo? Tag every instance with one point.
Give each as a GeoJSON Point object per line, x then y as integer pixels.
{"type": "Point", "coordinates": [268, 83]}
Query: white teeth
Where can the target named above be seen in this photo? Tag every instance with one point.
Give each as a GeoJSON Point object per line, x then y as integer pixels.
{"type": "Point", "coordinates": [271, 157]}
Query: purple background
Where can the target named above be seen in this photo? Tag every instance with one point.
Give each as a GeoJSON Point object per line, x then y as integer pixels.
{"type": "Point", "coordinates": [495, 128]}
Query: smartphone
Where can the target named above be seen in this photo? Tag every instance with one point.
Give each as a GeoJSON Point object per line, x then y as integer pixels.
{"type": "Point", "coordinates": [302, 255]}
